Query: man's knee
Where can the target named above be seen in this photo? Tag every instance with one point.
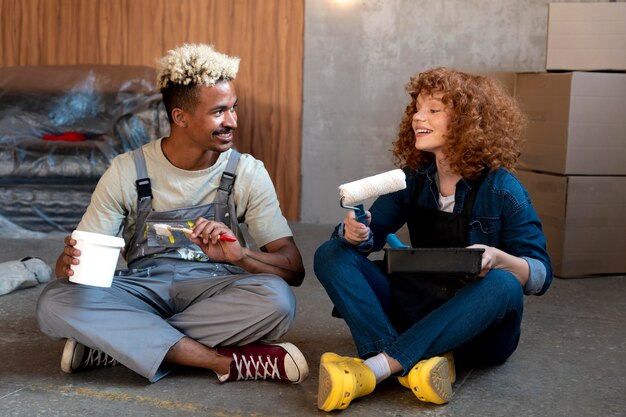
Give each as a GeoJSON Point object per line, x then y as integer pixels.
{"type": "Point", "coordinates": [49, 306]}
{"type": "Point", "coordinates": [280, 300]}
{"type": "Point", "coordinates": [277, 310]}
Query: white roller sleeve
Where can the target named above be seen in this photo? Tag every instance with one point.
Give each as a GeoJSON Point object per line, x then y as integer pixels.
{"type": "Point", "coordinates": [377, 185]}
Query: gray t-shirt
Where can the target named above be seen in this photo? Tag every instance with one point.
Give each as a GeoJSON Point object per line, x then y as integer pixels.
{"type": "Point", "coordinates": [113, 206]}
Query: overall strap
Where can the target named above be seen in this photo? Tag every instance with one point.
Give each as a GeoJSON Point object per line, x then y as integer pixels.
{"type": "Point", "coordinates": [412, 196]}
{"type": "Point", "coordinates": [420, 180]}
{"type": "Point", "coordinates": [228, 178]}
{"type": "Point", "coordinates": [469, 204]}
{"type": "Point", "coordinates": [144, 202]}
{"type": "Point", "coordinates": [226, 199]}
{"type": "Point", "coordinates": [144, 188]}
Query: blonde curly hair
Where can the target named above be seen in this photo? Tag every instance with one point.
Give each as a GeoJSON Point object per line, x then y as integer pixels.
{"type": "Point", "coordinates": [485, 126]}
{"type": "Point", "coordinates": [183, 70]}
{"type": "Point", "coordinates": [197, 64]}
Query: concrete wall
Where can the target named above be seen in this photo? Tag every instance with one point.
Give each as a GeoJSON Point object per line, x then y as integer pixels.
{"type": "Point", "coordinates": [358, 56]}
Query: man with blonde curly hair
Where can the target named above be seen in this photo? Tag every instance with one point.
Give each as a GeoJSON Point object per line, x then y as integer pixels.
{"type": "Point", "coordinates": [194, 293]}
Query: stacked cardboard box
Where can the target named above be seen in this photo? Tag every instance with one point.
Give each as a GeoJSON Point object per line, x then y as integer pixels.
{"type": "Point", "coordinates": [586, 36]}
{"type": "Point", "coordinates": [574, 160]}
{"type": "Point", "coordinates": [577, 122]}
{"type": "Point", "coordinates": [583, 220]}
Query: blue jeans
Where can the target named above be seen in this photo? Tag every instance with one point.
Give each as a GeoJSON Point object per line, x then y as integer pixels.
{"type": "Point", "coordinates": [481, 323]}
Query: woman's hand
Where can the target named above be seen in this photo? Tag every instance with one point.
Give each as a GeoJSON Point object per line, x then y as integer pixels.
{"type": "Point", "coordinates": [489, 260]}
{"type": "Point", "coordinates": [494, 258]}
{"type": "Point", "coordinates": [216, 240]}
{"type": "Point", "coordinates": [356, 232]}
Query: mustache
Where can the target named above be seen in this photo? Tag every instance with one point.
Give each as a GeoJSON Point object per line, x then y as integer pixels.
{"type": "Point", "coordinates": [223, 131]}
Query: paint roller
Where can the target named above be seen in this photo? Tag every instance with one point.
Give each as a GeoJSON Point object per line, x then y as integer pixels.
{"type": "Point", "coordinates": [374, 186]}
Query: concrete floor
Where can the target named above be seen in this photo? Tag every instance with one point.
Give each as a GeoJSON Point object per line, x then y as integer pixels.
{"type": "Point", "coordinates": [571, 361]}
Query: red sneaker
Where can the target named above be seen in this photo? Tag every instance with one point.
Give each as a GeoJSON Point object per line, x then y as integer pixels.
{"type": "Point", "coordinates": [282, 361]}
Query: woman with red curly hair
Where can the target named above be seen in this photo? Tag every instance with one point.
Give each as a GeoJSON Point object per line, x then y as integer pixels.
{"type": "Point", "coordinates": [457, 144]}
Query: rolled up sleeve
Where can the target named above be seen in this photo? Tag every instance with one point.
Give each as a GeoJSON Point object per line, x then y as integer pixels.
{"type": "Point", "coordinates": [537, 276]}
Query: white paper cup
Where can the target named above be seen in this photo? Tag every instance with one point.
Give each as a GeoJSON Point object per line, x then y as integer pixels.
{"type": "Point", "coordinates": [98, 258]}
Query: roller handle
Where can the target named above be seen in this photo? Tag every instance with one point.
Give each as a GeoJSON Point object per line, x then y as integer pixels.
{"type": "Point", "coordinates": [359, 212]}
{"type": "Point", "coordinates": [394, 242]}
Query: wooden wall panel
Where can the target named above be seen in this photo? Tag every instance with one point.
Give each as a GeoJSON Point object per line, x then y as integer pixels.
{"type": "Point", "coordinates": [267, 35]}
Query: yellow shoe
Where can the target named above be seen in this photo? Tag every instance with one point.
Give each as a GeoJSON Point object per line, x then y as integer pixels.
{"type": "Point", "coordinates": [450, 357]}
{"type": "Point", "coordinates": [341, 380]}
{"type": "Point", "coordinates": [333, 357]}
{"type": "Point", "coordinates": [429, 380]}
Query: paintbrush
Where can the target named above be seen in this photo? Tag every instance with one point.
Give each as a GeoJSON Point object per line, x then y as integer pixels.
{"type": "Point", "coordinates": [166, 230]}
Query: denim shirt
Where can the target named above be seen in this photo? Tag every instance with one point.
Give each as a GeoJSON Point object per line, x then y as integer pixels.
{"type": "Point", "coordinates": [502, 217]}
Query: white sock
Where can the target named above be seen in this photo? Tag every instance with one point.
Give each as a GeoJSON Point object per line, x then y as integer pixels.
{"type": "Point", "coordinates": [379, 365]}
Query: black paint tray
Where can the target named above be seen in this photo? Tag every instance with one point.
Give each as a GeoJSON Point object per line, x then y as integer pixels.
{"type": "Point", "coordinates": [446, 261]}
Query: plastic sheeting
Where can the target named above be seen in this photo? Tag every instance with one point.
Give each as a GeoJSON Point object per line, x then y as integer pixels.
{"type": "Point", "coordinates": [46, 185]}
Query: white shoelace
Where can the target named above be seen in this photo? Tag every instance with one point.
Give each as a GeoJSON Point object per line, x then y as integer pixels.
{"type": "Point", "coordinates": [98, 358]}
{"type": "Point", "coordinates": [261, 368]}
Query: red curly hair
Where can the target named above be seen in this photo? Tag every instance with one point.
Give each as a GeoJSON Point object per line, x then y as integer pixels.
{"type": "Point", "coordinates": [484, 129]}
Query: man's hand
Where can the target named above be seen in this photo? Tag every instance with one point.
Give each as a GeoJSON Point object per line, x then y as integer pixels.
{"type": "Point", "coordinates": [216, 240]}
{"type": "Point", "coordinates": [68, 257]}
{"type": "Point", "coordinates": [280, 257]}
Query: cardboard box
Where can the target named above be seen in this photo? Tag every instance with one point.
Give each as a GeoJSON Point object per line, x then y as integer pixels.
{"type": "Point", "coordinates": [583, 220]}
{"type": "Point", "coordinates": [586, 36]}
{"type": "Point", "coordinates": [577, 122]}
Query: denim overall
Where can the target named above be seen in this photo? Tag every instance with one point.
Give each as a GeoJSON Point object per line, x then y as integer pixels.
{"type": "Point", "coordinates": [170, 290]}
